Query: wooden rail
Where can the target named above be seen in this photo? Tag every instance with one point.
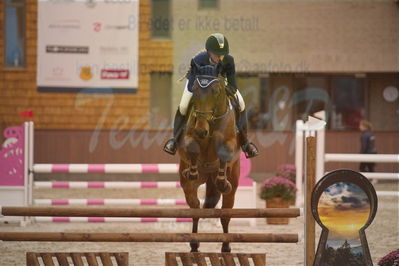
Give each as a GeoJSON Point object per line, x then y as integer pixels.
{"type": "Point", "coordinates": [164, 212]}
{"type": "Point", "coordinates": [148, 237]}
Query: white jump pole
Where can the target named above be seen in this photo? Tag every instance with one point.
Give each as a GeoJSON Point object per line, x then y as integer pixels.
{"type": "Point", "coordinates": [313, 127]}
{"type": "Point", "coordinates": [381, 176]}
{"type": "Point", "coordinates": [30, 160]}
{"type": "Point", "coordinates": [320, 150]}
{"type": "Point", "coordinates": [299, 162]}
{"type": "Point", "coordinates": [350, 157]}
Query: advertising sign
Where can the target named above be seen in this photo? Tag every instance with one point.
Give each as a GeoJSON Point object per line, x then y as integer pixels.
{"type": "Point", "coordinates": [89, 46]}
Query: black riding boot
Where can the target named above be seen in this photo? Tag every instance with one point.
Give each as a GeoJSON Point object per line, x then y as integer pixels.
{"type": "Point", "coordinates": [178, 125]}
{"type": "Point", "coordinates": [247, 147]}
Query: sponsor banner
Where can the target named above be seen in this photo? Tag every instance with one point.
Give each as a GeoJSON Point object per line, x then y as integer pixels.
{"type": "Point", "coordinates": [87, 45]}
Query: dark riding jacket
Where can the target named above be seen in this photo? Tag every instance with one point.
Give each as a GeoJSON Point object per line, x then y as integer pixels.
{"type": "Point", "coordinates": [226, 68]}
{"type": "Point", "coordinates": [367, 141]}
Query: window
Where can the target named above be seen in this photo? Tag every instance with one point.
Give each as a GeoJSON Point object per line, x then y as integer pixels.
{"type": "Point", "coordinates": [348, 102]}
{"type": "Point", "coordinates": [161, 21]}
{"type": "Point", "coordinates": [14, 28]}
{"type": "Point", "coordinates": [249, 87]}
{"type": "Point", "coordinates": [382, 109]}
{"type": "Point", "coordinates": [208, 4]}
{"type": "Point", "coordinates": [161, 110]}
{"type": "Point", "coordinates": [311, 96]}
{"type": "Point", "coordinates": [285, 98]}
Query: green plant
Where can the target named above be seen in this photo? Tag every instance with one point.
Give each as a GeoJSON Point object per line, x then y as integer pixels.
{"type": "Point", "coordinates": [277, 186]}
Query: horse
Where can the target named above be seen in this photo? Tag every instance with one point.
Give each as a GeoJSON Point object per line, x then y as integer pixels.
{"type": "Point", "coordinates": [209, 150]}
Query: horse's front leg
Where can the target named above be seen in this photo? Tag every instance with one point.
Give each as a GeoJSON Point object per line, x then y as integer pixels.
{"type": "Point", "coordinates": [221, 182]}
{"type": "Point", "coordinates": [193, 150]}
{"type": "Point", "coordinates": [225, 151]}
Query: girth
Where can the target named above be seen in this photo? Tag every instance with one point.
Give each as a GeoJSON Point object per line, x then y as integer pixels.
{"type": "Point", "coordinates": [206, 167]}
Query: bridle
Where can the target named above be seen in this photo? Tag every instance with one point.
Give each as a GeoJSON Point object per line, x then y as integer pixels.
{"type": "Point", "coordinates": [209, 115]}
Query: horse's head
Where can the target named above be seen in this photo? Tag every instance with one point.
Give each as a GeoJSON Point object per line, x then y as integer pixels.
{"type": "Point", "coordinates": [209, 102]}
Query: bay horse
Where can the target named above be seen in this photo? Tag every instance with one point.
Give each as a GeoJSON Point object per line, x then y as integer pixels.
{"type": "Point", "coordinates": [209, 150]}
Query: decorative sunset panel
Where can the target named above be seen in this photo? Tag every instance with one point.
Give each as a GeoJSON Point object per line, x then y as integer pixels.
{"type": "Point", "coordinates": [344, 203]}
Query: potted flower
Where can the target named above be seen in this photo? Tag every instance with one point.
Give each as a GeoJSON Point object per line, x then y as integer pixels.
{"type": "Point", "coordinates": [390, 259]}
{"type": "Point", "coordinates": [288, 171]}
{"type": "Point", "coordinates": [278, 192]}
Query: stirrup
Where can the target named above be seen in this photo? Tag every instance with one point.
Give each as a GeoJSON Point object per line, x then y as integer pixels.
{"type": "Point", "coordinates": [250, 150]}
{"type": "Point", "coordinates": [170, 147]}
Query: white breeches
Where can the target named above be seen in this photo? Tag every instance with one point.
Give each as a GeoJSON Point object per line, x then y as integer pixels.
{"type": "Point", "coordinates": [185, 100]}
{"type": "Point", "coordinates": [240, 100]}
{"type": "Point", "coordinates": [186, 97]}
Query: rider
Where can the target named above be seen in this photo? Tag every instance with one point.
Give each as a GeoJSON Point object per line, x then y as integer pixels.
{"type": "Point", "coordinates": [217, 55]}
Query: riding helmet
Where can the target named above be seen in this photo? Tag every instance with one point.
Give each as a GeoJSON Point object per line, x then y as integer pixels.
{"type": "Point", "coordinates": [217, 44]}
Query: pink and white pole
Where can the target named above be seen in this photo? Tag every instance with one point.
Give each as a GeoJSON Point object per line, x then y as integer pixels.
{"type": "Point", "coordinates": [133, 202]}
{"type": "Point", "coordinates": [108, 219]}
{"type": "Point", "coordinates": [107, 168]}
{"type": "Point", "coordinates": [119, 185]}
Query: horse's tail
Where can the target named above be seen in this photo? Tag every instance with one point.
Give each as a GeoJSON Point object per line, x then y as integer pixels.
{"type": "Point", "coordinates": [212, 195]}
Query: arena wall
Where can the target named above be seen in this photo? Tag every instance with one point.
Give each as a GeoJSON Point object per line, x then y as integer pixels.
{"type": "Point", "coordinates": [79, 111]}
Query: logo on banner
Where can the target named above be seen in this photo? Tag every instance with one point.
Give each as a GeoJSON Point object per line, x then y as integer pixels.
{"type": "Point", "coordinates": [85, 73]}
{"type": "Point", "coordinates": [117, 27]}
{"type": "Point", "coordinates": [114, 50]}
{"type": "Point", "coordinates": [97, 26]}
{"type": "Point", "coordinates": [114, 74]}
{"type": "Point", "coordinates": [65, 49]}
{"type": "Point", "coordinates": [64, 24]}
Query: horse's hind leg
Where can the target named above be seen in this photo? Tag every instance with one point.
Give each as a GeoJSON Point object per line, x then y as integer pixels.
{"type": "Point", "coordinates": [194, 203]}
{"type": "Point", "coordinates": [212, 196]}
{"type": "Point", "coordinates": [190, 193]}
{"type": "Point", "coordinates": [228, 203]}
{"type": "Point", "coordinates": [194, 244]}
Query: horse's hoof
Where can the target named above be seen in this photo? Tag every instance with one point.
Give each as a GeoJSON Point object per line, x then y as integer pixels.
{"type": "Point", "coordinates": [223, 186]}
{"type": "Point", "coordinates": [194, 246]}
{"type": "Point", "coordinates": [226, 247]}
